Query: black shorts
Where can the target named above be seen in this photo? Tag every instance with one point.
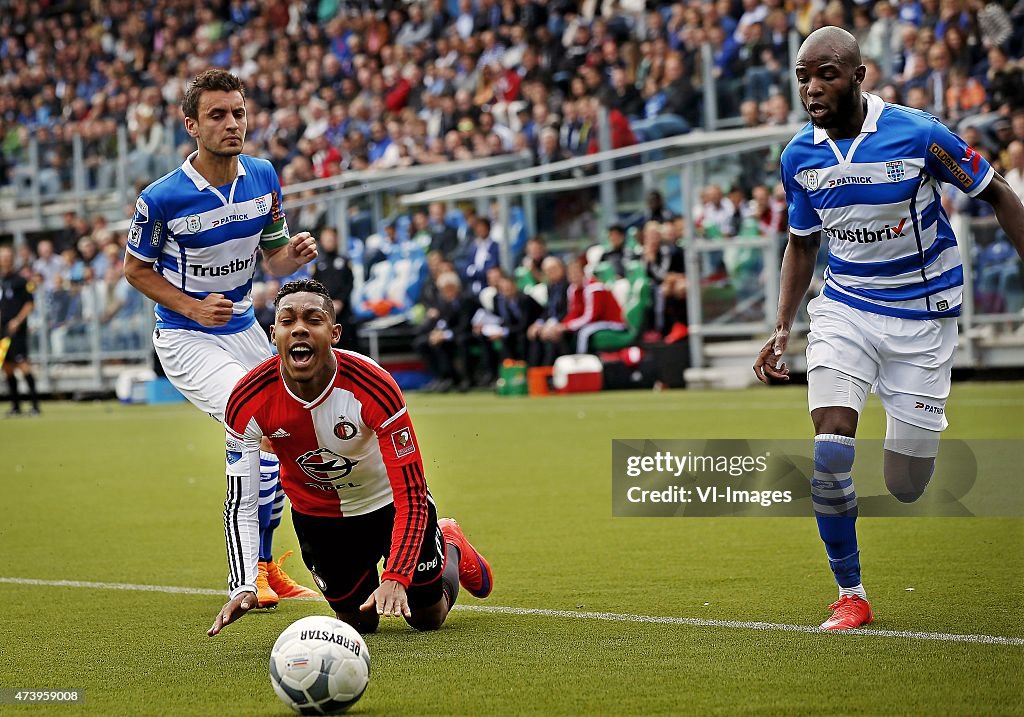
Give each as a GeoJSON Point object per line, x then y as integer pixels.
{"type": "Point", "coordinates": [342, 553]}
{"type": "Point", "coordinates": [18, 351]}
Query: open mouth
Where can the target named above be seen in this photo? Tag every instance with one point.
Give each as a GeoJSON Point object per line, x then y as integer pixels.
{"type": "Point", "coordinates": [301, 355]}
{"type": "Point", "coordinates": [817, 110]}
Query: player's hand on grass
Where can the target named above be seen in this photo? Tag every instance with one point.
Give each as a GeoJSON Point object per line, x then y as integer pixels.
{"type": "Point", "coordinates": [302, 248]}
{"type": "Point", "coordinates": [213, 310]}
{"type": "Point", "coordinates": [768, 366]}
{"type": "Point", "coordinates": [390, 599]}
{"type": "Point", "coordinates": [232, 610]}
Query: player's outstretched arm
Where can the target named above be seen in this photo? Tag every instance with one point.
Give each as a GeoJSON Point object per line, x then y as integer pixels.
{"type": "Point", "coordinates": [1009, 211]}
{"type": "Point", "coordinates": [797, 270]}
{"type": "Point", "coordinates": [390, 598]}
{"type": "Point", "coordinates": [287, 258]}
{"type": "Point", "coordinates": [213, 310]}
{"type": "Point", "coordinates": [232, 610]}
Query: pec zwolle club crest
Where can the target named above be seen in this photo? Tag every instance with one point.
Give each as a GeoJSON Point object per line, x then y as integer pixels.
{"type": "Point", "coordinates": [811, 179]}
{"type": "Point", "coordinates": [324, 466]}
{"type": "Point", "coordinates": [895, 171]}
{"type": "Point", "coordinates": [261, 205]}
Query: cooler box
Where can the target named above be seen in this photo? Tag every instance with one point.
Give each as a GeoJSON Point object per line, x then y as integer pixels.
{"type": "Point", "coordinates": [577, 373]}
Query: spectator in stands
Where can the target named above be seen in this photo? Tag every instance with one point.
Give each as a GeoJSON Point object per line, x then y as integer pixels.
{"type": "Point", "coordinates": [530, 271]}
{"type": "Point", "coordinates": [1006, 81]}
{"type": "Point", "coordinates": [938, 78]}
{"type": "Point", "coordinates": [676, 106]}
{"type": "Point", "coordinates": [24, 259]}
{"type": "Point", "coordinates": [122, 319]}
{"type": "Point", "coordinates": [656, 210]}
{"type": "Point", "coordinates": [766, 211]}
{"type": "Point", "coordinates": [382, 246]}
{"type": "Point", "coordinates": [666, 268]}
{"type": "Point", "coordinates": [334, 271]}
{"type": "Point", "coordinates": [64, 317]}
{"type": "Point", "coordinates": [719, 216]}
{"type": "Point", "coordinates": [619, 130]}
{"type": "Point", "coordinates": [444, 340]}
{"type": "Point", "coordinates": [623, 94]}
{"type": "Point", "coordinates": [591, 307]}
{"type": "Point", "coordinates": [265, 309]}
{"type": "Point", "coordinates": [543, 352]}
{"type": "Point", "coordinates": [777, 110]}
{"type": "Point", "coordinates": [480, 256]}
{"type": "Point", "coordinates": [444, 237]}
{"type": "Point", "coordinates": [48, 264]}
{"type": "Point", "coordinates": [616, 255]}
{"type": "Point", "coordinates": [517, 311]}
{"type": "Point", "coordinates": [965, 95]}
{"type": "Point", "coordinates": [147, 140]}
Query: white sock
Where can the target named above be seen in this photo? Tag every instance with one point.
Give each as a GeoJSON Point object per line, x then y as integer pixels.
{"type": "Point", "coordinates": [857, 590]}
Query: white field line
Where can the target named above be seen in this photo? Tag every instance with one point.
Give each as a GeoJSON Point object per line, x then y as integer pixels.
{"type": "Point", "coordinates": [573, 614]}
{"type": "Point", "coordinates": [594, 406]}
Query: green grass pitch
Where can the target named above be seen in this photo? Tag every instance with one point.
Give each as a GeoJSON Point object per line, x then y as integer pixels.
{"type": "Point", "coordinates": [133, 494]}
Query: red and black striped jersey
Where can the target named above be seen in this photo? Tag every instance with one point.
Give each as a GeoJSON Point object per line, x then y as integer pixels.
{"type": "Point", "coordinates": [350, 451]}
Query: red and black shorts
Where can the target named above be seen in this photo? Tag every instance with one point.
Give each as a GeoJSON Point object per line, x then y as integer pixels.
{"type": "Point", "coordinates": [343, 553]}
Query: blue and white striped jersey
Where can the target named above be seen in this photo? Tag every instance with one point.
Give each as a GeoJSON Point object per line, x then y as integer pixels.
{"type": "Point", "coordinates": [205, 239]}
{"type": "Point", "coordinates": [876, 200]}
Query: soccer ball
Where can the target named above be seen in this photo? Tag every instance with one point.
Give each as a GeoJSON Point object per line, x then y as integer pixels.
{"type": "Point", "coordinates": [319, 666]}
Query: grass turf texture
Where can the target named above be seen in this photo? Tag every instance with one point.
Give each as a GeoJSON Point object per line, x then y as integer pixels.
{"type": "Point", "coordinates": [133, 494]}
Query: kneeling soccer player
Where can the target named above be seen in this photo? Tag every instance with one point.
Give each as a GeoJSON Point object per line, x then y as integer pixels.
{"type": "Point", "coordinates": [351, 466]}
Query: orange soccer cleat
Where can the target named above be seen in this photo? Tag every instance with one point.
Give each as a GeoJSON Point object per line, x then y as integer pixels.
{"type": "Point", "coordinates": [847, 612]}
{"type": "Point", "coordinates": [474, 572]}
{"type": "Point", "coordinates": [282, 584]}
{"type": "Point", "coordinates": [266, 598]}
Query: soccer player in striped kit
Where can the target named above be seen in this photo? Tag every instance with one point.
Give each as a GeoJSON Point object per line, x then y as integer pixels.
{"type": "Point", "coordinates": [193, 245]}
{"type": "Point", "coordinates": [866, 175]}
{"type": "Point", "coordinates": [352, 468]}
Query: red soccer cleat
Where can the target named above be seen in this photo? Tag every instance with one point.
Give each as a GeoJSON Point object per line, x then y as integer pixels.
{"type": "Point", "coordinates": [474, 572]}
{"type": "Point", "coordinates": [847, 612]}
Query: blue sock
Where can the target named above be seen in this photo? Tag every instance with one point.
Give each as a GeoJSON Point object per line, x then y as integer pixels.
{"type": "Point", "coordinates": [270, 485]}
{"type": "Point", "coordinates": [835, 506]}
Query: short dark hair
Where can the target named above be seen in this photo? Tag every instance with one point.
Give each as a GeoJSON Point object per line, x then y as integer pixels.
{"type": "Point", "coordinates": [214, 79]}
{"type": "Point", "coordinates": [307, 285]}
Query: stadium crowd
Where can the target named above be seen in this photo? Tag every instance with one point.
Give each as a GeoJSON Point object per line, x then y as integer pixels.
{"type": "Point", "coordinates": [334, 86]}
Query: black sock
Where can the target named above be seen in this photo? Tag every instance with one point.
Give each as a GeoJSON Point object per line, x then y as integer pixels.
{"type": "Point", "coordinates": [12, 386]}
{"type": "Point", "coordinates": [450, 576]}
{"type": "Point", "coordinates": [30, 379]}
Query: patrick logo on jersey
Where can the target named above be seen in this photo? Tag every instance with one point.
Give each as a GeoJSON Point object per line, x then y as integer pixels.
{"type": "Point", "coordinates": [327, 468]}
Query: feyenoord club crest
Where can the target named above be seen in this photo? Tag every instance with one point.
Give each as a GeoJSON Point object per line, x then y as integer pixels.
{"type": "Point", "coordinates": [261, 205]}
{"type": "Point", "coordinates": [895, 171]}
{"type": "Point", "coordinates": [811, 179]}
{"type": "Point", "coordinates": [345, 429]}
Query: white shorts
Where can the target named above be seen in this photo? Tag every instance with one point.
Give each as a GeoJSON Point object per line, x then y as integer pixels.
{"type": "Point", "coordinates": [907, 362]}
{"type": "Point", "coordinates": [205, 367]}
